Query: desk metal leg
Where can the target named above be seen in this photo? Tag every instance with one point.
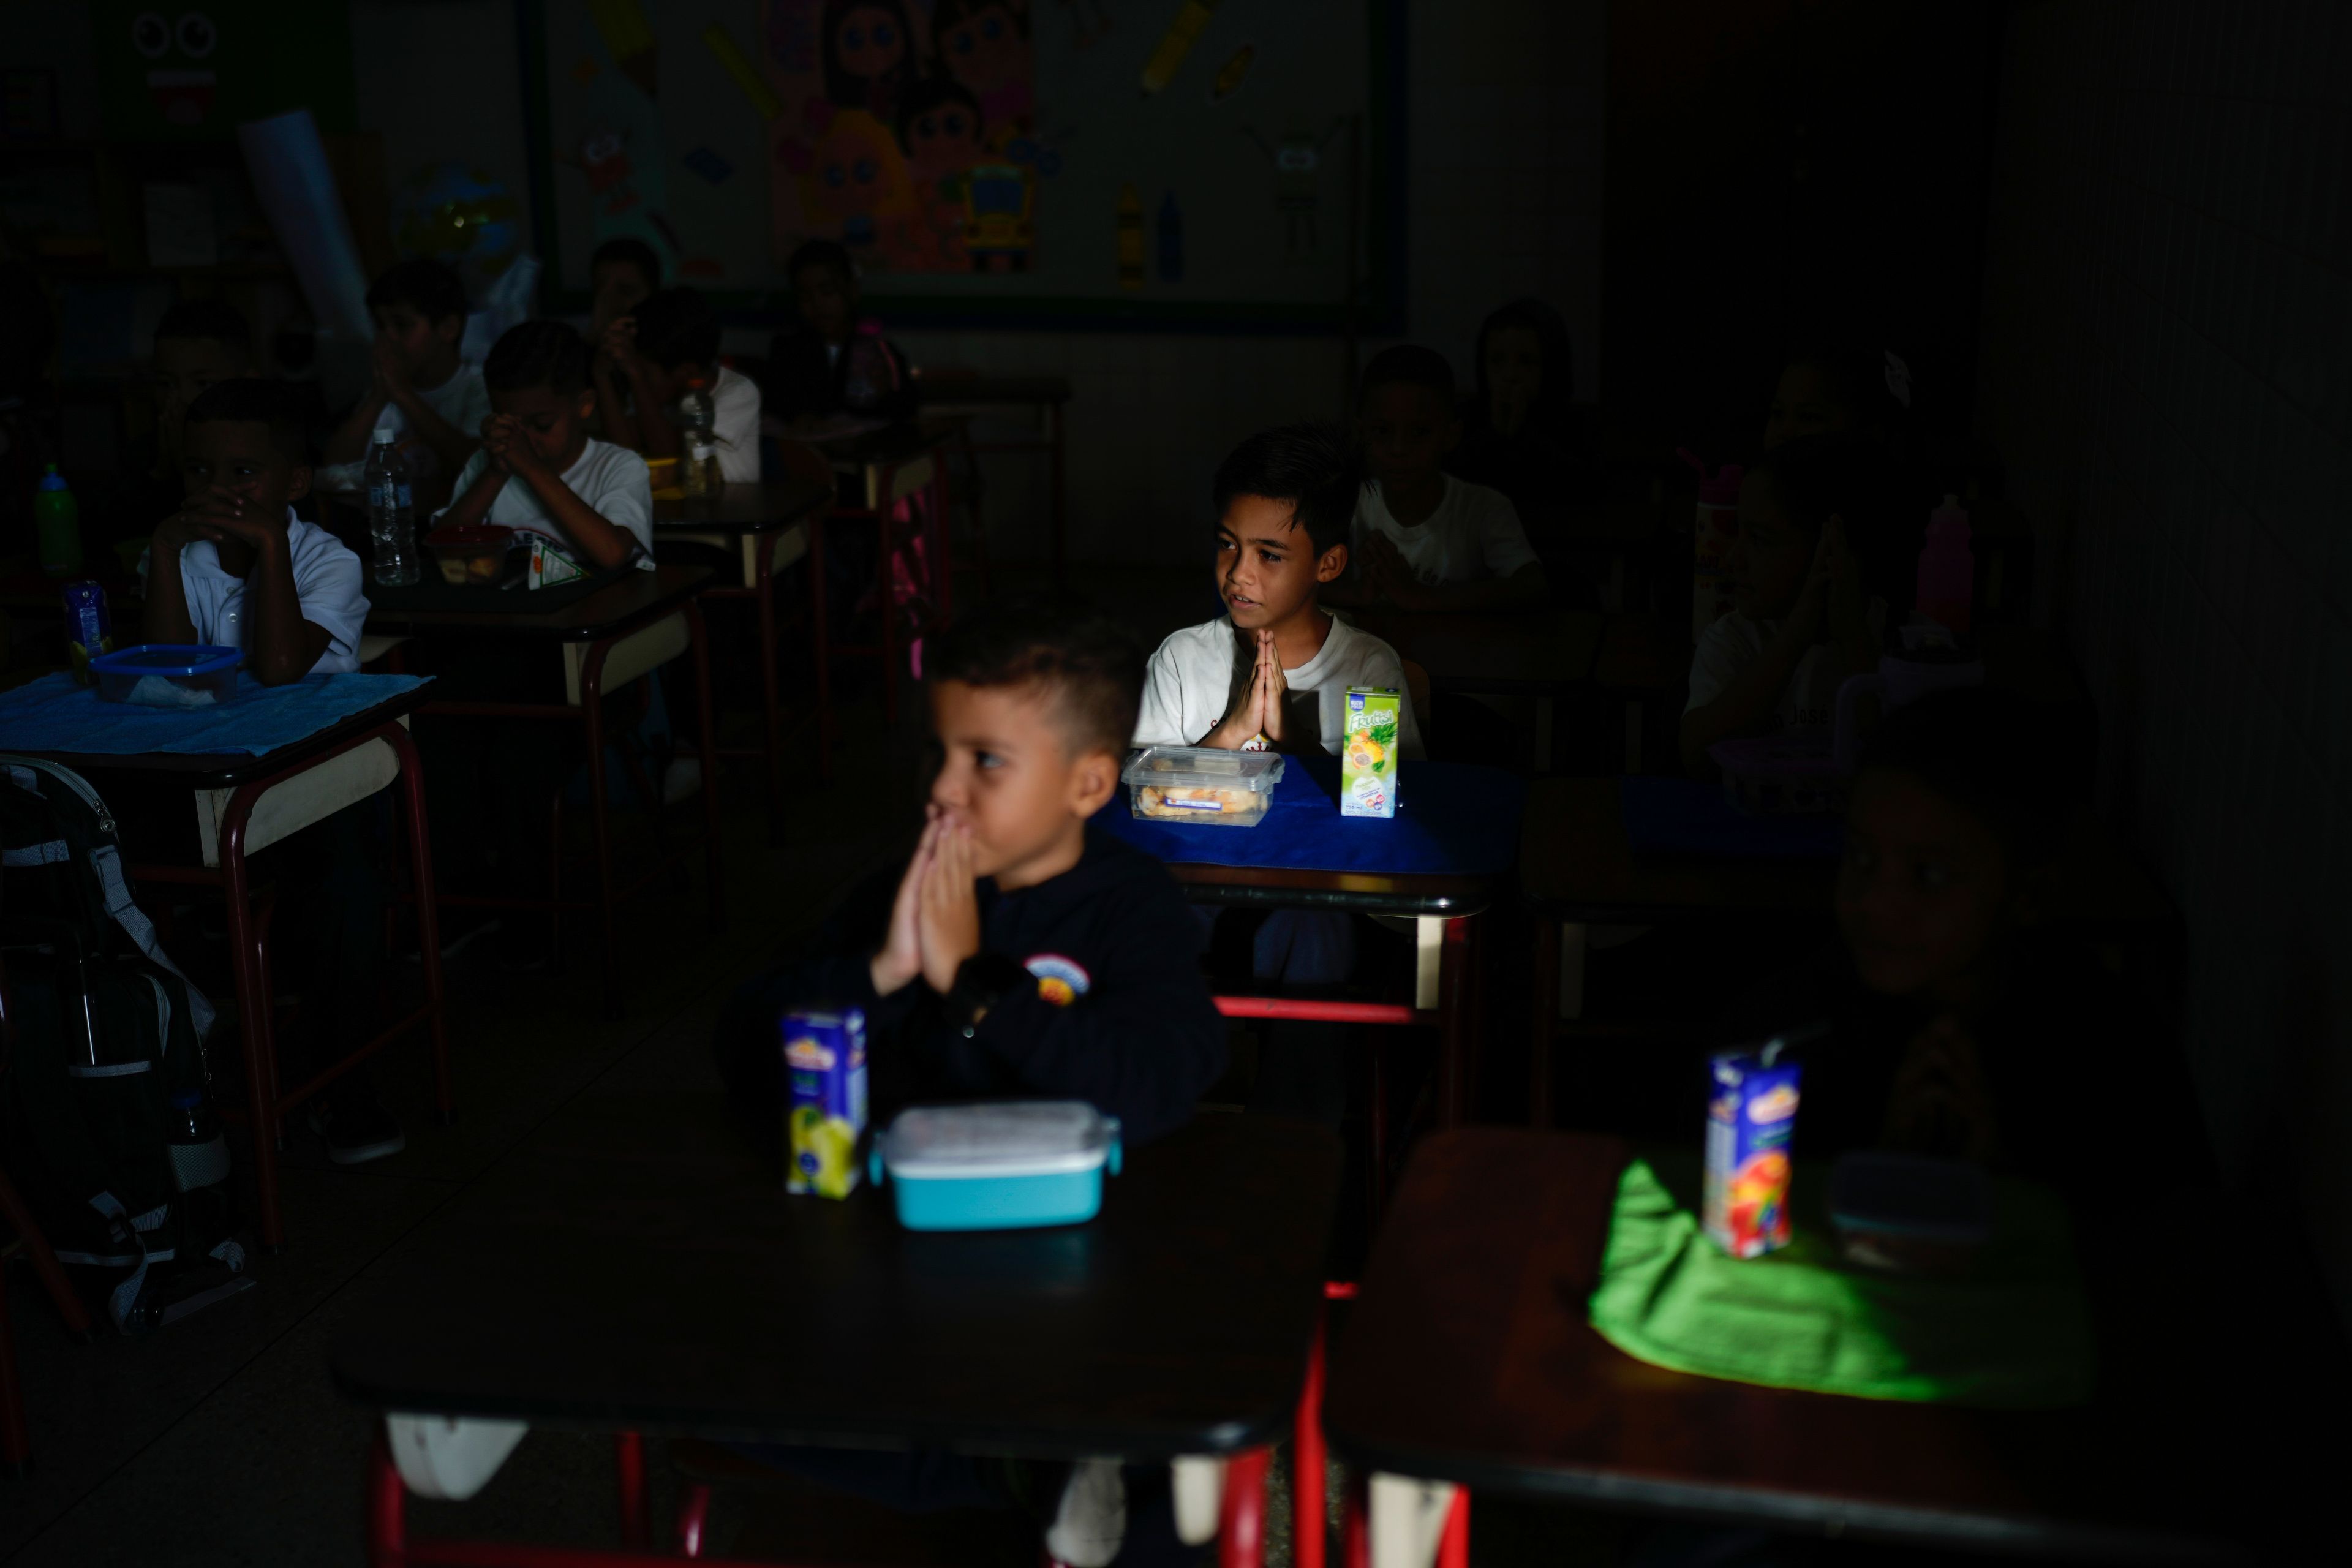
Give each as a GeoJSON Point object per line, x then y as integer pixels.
{"type": "Point", "coordinates": [1307, 1463]}
{"type": "Point", "coordinates": [818, 633]}
{"type": "Point", "coordinates": [253, 1015]}
{"type": "Point", "coordinates": [764, 589]}
{"type": "Point", "coordinates": [1455, 1034]}
{"type": "Point", "coordinates": [1241, 1535]}
{"type": "Point", "coordinates": [592, 713]}
{"type": "Point", "coordinates": [428, 918]}
{"type": "Point", "coordinates": [629, 1457]}
{"type": "Point", "coordinates": [700, 638]}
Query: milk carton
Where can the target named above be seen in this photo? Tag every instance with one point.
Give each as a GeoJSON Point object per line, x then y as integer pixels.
{"type": "Point", "coordinates": [1751, 1114]}
{"type": "Point", "coordinates": [824, 1100]}
{"type": "Point", "coordinates": [1368, 752]}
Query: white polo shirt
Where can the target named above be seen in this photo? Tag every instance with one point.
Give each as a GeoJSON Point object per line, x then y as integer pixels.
{"type": "Point", "coordinates": [1197, 673]}
{"type": "Point", "coordinates": [328, 579]}
{"type": "Point", "coordinates": [612, 479]}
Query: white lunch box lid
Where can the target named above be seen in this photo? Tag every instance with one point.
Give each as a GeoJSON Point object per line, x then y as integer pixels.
{"type": "Point", "coordinates": [1001, 1138]}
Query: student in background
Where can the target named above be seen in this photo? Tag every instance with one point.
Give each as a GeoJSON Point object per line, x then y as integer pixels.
{"type": "Point", "coordinates": [539, 470]}
{"type": "Point", "coordinates": [235, 568]}
{"type": "Point", "coordinates": [671, 339]}
{"type": "Point", "coordinates": [421, 390]}
{"type": "Point", "coordinates": [1837, 384]}
{"type": "Point", "coordinates": [620, 272]}
{"type": "Point", "coordinates": [1823, 562]}
{"type": "Point", "coordinates": [834, 362]}
{"type": "Point", "coordinates": [1422, 538]}
{"type": "Point", "coordinates": [197, 343]}
{"type": "Point", "coordinates": [1517, 435]}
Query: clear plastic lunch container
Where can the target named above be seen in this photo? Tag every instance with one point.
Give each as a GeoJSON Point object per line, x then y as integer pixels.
{"type": "Point", "coordinates": [167, 675]}
{"type": "Point", "coordinates": [1200, 784]}
{"type": "Point", "coordinates": [1000, 1165]}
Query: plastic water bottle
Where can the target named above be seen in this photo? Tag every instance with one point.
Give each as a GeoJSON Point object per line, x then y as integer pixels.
{"type": "Point", "coordinates": [698, 420]}
{"type": "Point", "coordinates": [199, 1151]}
{"type": "Point", "coordinates": [392, 513]}
{"type": "Point", "coordinates": [1948, 569]}
{"type": "Point", "coordinates": [59, 521]}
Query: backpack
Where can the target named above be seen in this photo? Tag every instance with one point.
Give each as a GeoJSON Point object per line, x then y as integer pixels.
{"type": "Point", "coordinates": [108, 1055]}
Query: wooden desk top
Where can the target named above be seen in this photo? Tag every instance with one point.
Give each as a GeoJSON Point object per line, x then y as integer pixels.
{"type": "Point", "coordinates": [895, 444]}
{"type": "Point", "coordinates": [1543, 652]}
{"type": "Point", "coordinates": [227, 770]}
{"type": "Point", "coordinates": [1575, 863]}
{"type": "Point", "coordinates": [638, 597]}
{"type": "Point", "coordinates": [637, 1263]}
{"type": "Point", "coordinates": [744, 508]}
{"type": "Point", "coordinates": [1358, 892]}
{"type": "Point", "coordinates": [1468, 1359]}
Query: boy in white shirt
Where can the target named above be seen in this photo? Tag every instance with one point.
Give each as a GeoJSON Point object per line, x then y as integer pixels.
{"type": "Point", "coordinates": [1822, 556]}
{"type": "Point", "coordinates": [1274, 672]}
{"type": "Point", "coordinates": [422, 390]}
{"type": "Point", "coordinates": [670, 340]}
{"type": "Point", "coordinates": [1425, 540]}
{"type": "Point", "coordinates": [235, 568]}
{"type": "Point", "coordinates": [540, 471]}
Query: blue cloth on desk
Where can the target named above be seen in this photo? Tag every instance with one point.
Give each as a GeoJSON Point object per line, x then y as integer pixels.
{"type": "Point", "coordinates": [1453, 820]}
{"type": "Point", "coordinates": [53, 714]}
{"type": "Point", "coordinates": [1684, 816]}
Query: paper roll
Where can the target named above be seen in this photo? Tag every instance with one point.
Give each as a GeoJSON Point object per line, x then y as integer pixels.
{"type": "Point", "coordinates": [297, 188]}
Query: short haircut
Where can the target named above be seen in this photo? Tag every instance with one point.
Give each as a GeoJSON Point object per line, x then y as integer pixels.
{"type": "Point", "coordinates": [829, 253]}
{"type": "Point", "coordinates": [207, 320]}
{"type": "Point", "coordinates": [936, 92]}
{"type": "Point", "coordinates": [1313, 466]}
{"type": "Point", "coordinates": [1978, 749]}
{"type": "Point", "coordinates": [251, 400]}
{"type": "Point", "coordinates": [677, 326]}
{"type": "Point", "coordinates": [1852, 475]}
{"type": "Point", "coordinates": [538, 353]}
{"type": "Point", "coordinates": [1082, 659]}
{"type": "Point", "coordinates": [430, 287]}
{"type": "Point", "coordinates": [1408, 364]}
{"type": "Point", "coordinates": [1863, 375]}
{"type": "Point", "coordinates": [1558, 351]}
{"type": "Point", "coordinates": [627, 250]}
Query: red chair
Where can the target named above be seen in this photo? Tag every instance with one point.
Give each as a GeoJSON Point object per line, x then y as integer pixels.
{"type": "Point", "coordinates": [16, 1443]}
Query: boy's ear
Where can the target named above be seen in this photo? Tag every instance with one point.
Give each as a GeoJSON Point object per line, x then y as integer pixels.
{"type": "Point", "coordinates": [1093, 781]}
{"type": "Point", "coordinates": [450, 330]}
{"type": "Point", "coordinates": [298, 483]}
{"type": "Point", "coordinates": [587, 406]}
{"type": "Point", "coordinates": [1331, 564]}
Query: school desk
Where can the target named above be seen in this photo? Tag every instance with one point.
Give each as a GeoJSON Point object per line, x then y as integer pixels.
{"type": "Point", "coordinates": [636, 1266]}
{"type": "Point", "coordinates": [1577, 867]}
{"type": "Point", "coordinates": [244, 804]}
{"type": "Point", "coordinates": [618, 633]}
{"type": "Point", "coordinates": [900, 474]}
{"type": "Point", "coordinates": [1542, 654]}
{"type": "Point", "coordinates": [764, 529]}
{"type": "Point", "coordinates": [1468, 1363]}
{"type": "Point", "coordinates": [974, 396]}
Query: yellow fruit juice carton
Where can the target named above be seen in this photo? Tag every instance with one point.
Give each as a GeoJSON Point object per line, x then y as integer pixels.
{"type": "Point", "coordinates": [1368, 752]}
{"type": "Point", "coordinates": [824, 1100]}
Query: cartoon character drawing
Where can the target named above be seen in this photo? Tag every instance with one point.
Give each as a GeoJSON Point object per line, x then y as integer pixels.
{"type": "Point", "coordinates": [854, 182]}
{"type": "Point", "coordinates": [868, 48]}
{"type": "Point", "coordinates": [984, 45]}
{"type": "Point", "coordinates": [1297, 161]}
{"type": "Point", "coordinates": [940, 136]}
{"type": "Point", "coordinates": [1000, 203]}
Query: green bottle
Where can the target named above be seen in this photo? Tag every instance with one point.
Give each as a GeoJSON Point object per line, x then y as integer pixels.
{"type": "Point", "coordinates": [59, 523]}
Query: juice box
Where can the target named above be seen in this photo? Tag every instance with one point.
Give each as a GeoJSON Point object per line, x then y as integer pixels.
{"type": "Point", "coordinates": [824, 1100]}
{"type": "Point", "coordinates": [1751, 1114]}
{"type": "Point", "coordinates": [1368, 752]}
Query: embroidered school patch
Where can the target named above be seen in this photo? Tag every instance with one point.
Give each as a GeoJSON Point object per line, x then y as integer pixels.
{"type": "Point", "coordinates": [1060, 980]}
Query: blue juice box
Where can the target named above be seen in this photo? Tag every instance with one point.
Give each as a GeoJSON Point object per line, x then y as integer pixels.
{"type": "Point", "coordinates": [1751, 1114]}
{"type": "Point", "coordinates": [824, 1100]}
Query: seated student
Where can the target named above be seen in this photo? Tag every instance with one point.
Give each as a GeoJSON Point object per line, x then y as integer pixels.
{"type": "Point", "coordinates": [539, 470]}
{"type": "Point", "coordinates": [643, 366]}
{"type": "Point", "coordinates": [834, 362]}
{"type": "Point", "coordinates": [620, 272]}
{"type": "Point", "coordinates": [1422, 538]}
{"type": "Point", "coordinates": [235, 568]}
{"type": "Point", "coordinates": [1018, 953]}
{"type": "Point", "coordinates": [1824, 561]}
{"type": "Point", "coordinates": [421, 390]}
{"type": "Point", "coordinates": [1518, 434]}
{"type": "Point", "coordinates": [1833, 382]}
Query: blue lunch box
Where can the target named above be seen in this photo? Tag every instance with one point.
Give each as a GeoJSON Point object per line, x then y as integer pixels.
{"type": "Point", "coordinates": [1002, 1166]}
{"type": "Point", "coordinates": [168, 675]}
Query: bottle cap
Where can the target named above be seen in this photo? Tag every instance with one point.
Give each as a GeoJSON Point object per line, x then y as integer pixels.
{"type": "Point", "coordinates": [385, 434]}
{"type": "Point", "coordinates": [52, 480]}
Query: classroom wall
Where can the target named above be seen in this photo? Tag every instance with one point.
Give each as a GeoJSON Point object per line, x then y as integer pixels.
{"type": "Point", "coordinates": [2168, 324]}
{"type": "Point", "coordinates": [439, 81]}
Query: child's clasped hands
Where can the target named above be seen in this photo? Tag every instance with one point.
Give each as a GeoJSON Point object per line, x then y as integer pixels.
{"type": "Point", "coordinates": [1258, 711]}
{"type": "Point", "coordinates": [935, 918]}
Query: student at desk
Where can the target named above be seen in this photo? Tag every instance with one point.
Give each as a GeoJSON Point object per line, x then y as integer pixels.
{"type": "Point", "coordinates": [422, 389]}
{"type": "Point", "coordinates": [233, 568]}
{"type": "Point", "coordinates": [835, 363]}
{"type": "Point", "coordinates": [644, 364]}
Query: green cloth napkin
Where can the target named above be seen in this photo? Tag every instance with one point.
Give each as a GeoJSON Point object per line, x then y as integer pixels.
{"type": "Point", "coordinates": [2011, 1334]}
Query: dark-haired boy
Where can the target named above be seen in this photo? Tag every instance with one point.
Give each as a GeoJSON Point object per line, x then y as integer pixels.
{"type": "Point", "coordinates": [646, 363]}
{"type": "Point", "coordinates": [621, 271]}
{"type": "Point", "coordinates": [1423, 539]}
{"type": "Point", "coordinates": [835, 362]}
{"type": "Point", "coordinates": [421, 388]}
{"type": "Point", "coordinates": [539, 470]}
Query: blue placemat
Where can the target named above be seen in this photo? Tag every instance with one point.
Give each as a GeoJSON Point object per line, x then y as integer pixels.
{"type": "Point", "coordinates": [1684, 816]}
{"type": "Point", "coordinates": [1453, 820]}
{"type": "Point", "coordinates": [53, 714]}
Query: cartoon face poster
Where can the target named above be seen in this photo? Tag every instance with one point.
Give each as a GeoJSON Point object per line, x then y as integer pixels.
{"type": "Point", "coordinates": [907, 131]}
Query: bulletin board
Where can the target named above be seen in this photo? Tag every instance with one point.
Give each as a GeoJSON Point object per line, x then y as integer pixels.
{"type": "Point", "coordinates": [1231, 164]}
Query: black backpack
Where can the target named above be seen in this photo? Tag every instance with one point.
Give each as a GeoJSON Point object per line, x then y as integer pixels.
{"type": "Point", "coordinates": [109, 1056]}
